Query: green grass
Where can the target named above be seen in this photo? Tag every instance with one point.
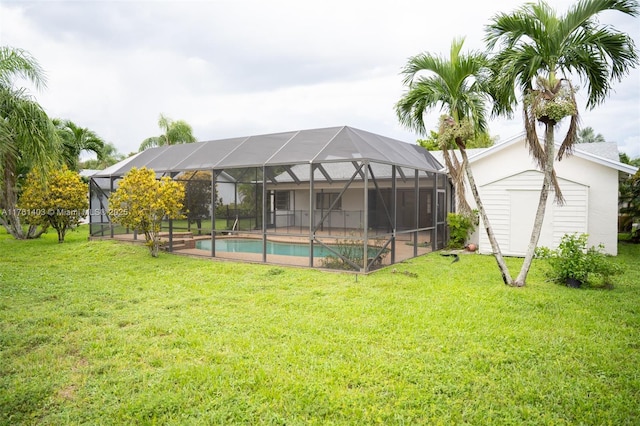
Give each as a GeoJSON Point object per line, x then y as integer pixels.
{"type": "Point", "coordinates": [101, 333]}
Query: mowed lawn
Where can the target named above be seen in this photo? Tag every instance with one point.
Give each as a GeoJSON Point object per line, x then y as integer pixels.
{"type": "Point", "coordinates": [101, 333]}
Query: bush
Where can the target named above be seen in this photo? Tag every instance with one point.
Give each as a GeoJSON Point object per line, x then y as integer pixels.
{"type": "Point", "coordinates": [574, 264]}
{"type": "Point", "coordinates": [460, 227]}
{"type": "Point", "coordinates": [60, 203]}
{"type": "Point", "coordinates": [141, 202]}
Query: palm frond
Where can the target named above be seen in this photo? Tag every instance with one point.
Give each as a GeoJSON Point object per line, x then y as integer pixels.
{"type": "Point", "coordinates": [532, 141]}
{"type": "Point", "coordinates": [149, 143]}
{"type": "Point", "coordinates": [19, 63]}
{"type": "Point", "coordinates": [570, 139]}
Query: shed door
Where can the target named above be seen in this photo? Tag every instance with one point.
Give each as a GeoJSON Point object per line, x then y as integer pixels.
{"type": "Point", "coordinates": [523, 212]}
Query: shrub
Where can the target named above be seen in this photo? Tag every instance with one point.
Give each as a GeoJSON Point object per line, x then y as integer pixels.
{"type": "Point", "coordinates": [142, 201]}
{"type": "Point", "coordinates": [61, 202]}
{"type": "Point", "coordinates": [573, 264]}
{"type": "Point", "coordinates": [460, 227]}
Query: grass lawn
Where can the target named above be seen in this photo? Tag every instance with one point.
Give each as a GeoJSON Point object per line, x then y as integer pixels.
{"type": "Point", "coordinates": [101, 333]}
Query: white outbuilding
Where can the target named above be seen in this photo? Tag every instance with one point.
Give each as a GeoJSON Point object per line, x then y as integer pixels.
{"type": "Point", "coordinates": [509, 184]}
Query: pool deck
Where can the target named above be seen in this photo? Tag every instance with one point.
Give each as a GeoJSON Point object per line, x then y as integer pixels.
{"type": "Point", "coordinates": [403, 250]}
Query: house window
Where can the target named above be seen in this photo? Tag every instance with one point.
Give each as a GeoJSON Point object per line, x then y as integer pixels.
{"type": "Point", "coordinates": [324, 200]}
{"type": "Point", "coordinates": [282, 200]}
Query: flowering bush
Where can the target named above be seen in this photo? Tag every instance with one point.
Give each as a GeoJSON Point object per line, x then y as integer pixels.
{"type": "Point", "coordinates": [61, 202]}
{"type": "Point", "coordinates": [142, 201]}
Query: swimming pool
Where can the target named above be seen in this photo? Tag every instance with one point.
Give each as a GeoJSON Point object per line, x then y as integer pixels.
{"type": "Point", "coordinates": [238, 245]}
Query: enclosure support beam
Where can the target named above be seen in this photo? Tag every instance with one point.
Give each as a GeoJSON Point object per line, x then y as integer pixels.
{"type": "Point", "coordinates": [434, 214]}
{"type": "Point", "coordinates": [365, 252]}
{"type": "Point", "coordinates": [111, 192]}
{"type": "Point", "coordinates": [344, 189]}
{"type": "Point", "coordinates": [394, 212]}
{"type": "Point", "coordinates": [311, 215]}
{"type": "Point", "coordinates": [417, 212]}
{"type": "Point", "coordinates": [264, 214]}
{"type": "Point", "coordinates": [213, 213]}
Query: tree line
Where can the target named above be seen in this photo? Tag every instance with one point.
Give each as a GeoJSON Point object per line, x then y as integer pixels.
{"type": "Point", "coordinates": [40, 156]}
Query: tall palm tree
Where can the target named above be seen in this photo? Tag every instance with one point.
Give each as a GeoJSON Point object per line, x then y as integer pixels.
{"type": "Point", "coordinates": [175, 132]}
{"type": "Point", "coordinates": [27, 136]}
{"type": "Point", "coordinates": [588, 135]}
{"type": "Point", "coordinates": [458, 86]}
{"type": "Point", "coordinates": [76, 139]}
{"type": "Point", "coordinates": [539, 51]}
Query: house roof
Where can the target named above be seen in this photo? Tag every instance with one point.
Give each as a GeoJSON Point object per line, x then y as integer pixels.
{"type": "Point", "coordinates": [314, 146]}
{"type": "Point", "coordinates": [604, 153]}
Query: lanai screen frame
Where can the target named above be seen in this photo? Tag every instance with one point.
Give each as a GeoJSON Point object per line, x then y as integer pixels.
{"type": "Point", "coordinates": [314, 148]}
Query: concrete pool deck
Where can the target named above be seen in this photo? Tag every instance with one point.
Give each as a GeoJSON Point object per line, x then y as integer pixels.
{"type": "Point", "coordinates": [403, 250]}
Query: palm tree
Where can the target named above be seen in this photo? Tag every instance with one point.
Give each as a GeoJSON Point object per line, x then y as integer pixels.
{"type": "Point", "coordinates": [458, 86]}
{"type": "Point", "coordinates": [175, 132]}
{"type": "Point", "coordinates": [110, 156]}
{"type": "Point", "coordinates": [27, 136]}
{"type": "Point", "coordinates": [588, 135]}
{"type": "Point", "coordinates": [538, 52]}
{"type": "Point", "coordinates": [76, 139]}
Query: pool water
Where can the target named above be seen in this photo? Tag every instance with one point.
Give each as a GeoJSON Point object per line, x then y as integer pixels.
{"type": "Point", "coordinates": [255, 246]}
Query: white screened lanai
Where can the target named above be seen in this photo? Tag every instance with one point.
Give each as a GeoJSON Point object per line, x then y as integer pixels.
{"type": "Point", "coordinates": [334, 197]}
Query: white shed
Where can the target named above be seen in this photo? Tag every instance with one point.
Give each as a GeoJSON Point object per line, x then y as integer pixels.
{"type": "Point", "coordinates": [509, 184]}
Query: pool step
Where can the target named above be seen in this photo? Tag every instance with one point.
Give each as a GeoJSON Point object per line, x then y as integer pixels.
{"type": "Point", "coordinates": [181, 241]}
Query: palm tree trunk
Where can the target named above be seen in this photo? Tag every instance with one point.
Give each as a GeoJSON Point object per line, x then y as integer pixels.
{"type": "Point", "coordinates": [542, 205]}
{"type": "Point", "coordinates": [495, 247]}
{"type": "Point", "coordinates": [11, 216]}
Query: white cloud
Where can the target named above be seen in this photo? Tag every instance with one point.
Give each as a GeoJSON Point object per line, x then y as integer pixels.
{"type": "Point", "coordinates": [241, 67]}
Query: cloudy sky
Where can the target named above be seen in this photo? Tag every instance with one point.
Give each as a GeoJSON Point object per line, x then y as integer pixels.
{"type": "Point", "coordinates": [242, 67]}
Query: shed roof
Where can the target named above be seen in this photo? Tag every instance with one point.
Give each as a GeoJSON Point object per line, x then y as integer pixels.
{"type": "Point", "coordinates": [604, 153]}
{"type": "Point", "coordinates": [332, 144]}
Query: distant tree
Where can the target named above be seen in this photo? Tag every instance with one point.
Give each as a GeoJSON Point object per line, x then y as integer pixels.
{"type": "Point", "coordinates": [76, 139]}
{"type": "Point", "coordinates": [27, 136]}
{"type": "Point", "coordinates": [110, 156]}
{"type": "Point", "coordinates": [624, 158]}
{"type": "Point", "coordinates": [142, 201]}
{"type": "Point", "coordinates": [197, 186]}
{"type": "Point", "coordinates": [175, 132]}
{"type": "Point", "coordinates": [431, 142]}
{"type": "Point", "coordinates": [480, 140]}
{"type": "Point", "coordinates": [61, 202]}
{"type": "Point", "coordinates": [588, 135]}
{"type": "Point", "coordinates": [539, 51]}
{"type": "Point", "coordinates": [630, 201]}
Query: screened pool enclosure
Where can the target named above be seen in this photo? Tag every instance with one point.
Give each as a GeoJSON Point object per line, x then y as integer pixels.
{"type": "Point", "coordinates": [338, 197]}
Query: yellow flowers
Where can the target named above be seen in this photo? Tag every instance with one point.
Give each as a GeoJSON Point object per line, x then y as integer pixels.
{"type": "Point", "coordinates": [60, 203]}
{"type": "Point", "coordinates": [142, 201]}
